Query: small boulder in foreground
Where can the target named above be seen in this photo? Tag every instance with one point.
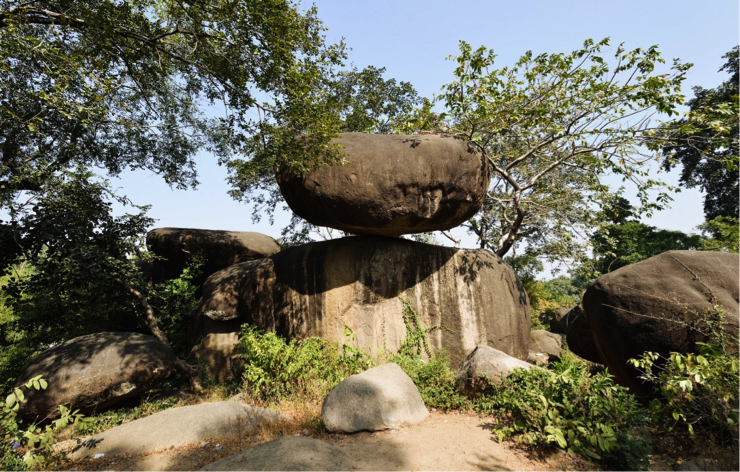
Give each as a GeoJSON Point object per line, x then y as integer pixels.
{"type": "Point", "coordinates": [383, 397]}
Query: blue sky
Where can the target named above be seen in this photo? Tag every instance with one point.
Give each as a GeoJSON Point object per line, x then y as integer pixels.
{"type": "Point", "coordinates": [411, 39]}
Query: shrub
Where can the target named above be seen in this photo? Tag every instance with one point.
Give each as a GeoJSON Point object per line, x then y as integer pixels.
{"type": "Point", "coordinates": [275, 368]}
{"type": "Point", "coordinates": [566, 406]}
{"type": "Point", "coordinates": [434, 379]}
{"type": "Point", "coordinates": [695, 391]}
{"type": "Point", "coordinates": [33, 441]}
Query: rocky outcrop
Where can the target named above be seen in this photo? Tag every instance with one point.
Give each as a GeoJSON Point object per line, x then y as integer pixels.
{"type": "Point", "coordinates": [486, 364]}
{"type": "Point", "coordinates": [358, 285]}
{"type": "Point", "coordinates": [391, 185]}
{"type": "Point", "coordinates": [287, 453]}
{"type": "Point", "coordinates": [219, 249]}
{"type": "Point", "coordinates": [546, 342]}
{"type": "Point", "coordinates": [580, 338]}
{"type": "Point", "coordinates": [383, 397]}
{"type": "Point", "coordinates": [560, 321]}
{"type": "Point", "coordinates": [663, 304]}
{"type": "Point", "coordinates": [174, 427]}
{"type": "Point", "coordinates": [95, 371]}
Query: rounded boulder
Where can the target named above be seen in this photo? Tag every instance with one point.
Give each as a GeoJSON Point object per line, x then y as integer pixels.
{"type": "Point", "coordinates": [391, 185]}
{"type": "Point", "coordinates": [664, 304]}
{"type": "Point", "coordinates": [95, 371]}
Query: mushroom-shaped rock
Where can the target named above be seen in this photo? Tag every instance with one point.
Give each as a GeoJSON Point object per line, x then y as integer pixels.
{"type": "Point", "coordinates": [95, 371]}
{"type": "Point", "coordinates": [383, 397]}
{"type": "Point", "coordinates": [391, 185]}
{"type": "Point", "coordinates": [287, 453]}
{"type": "Point", "coordinates": [664, 304]}
{"type": "Point", "coordinates": [218, 249]}
{"type": "Point", "coordinates": [485, 360]}
{"type": "Point", "coordinates": [361, 285]}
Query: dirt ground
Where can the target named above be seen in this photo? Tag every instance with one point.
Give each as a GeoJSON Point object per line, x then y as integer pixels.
{"type": "Point", "coordinates": [443, 441]}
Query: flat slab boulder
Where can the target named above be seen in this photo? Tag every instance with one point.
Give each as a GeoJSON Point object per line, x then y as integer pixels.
{"type": "Point", "coordinates": [391, 185]}
{"type": "Point", "coordinates": [94, 372]}
{"type": "Point", "coordinates": [219, 249]}
{"type": "Point", "coordinates": [287, 453]}
{"type": "Point", "coordinates": [359, 286]}
{"type": "Point", "coordinates": [485, 361]}
{"type": "Point", "coordinates": [174, 427]}
{"type": "Point", "coordinates": [383, 397]}
{"type": "Point", "coordinates": [663, 304]}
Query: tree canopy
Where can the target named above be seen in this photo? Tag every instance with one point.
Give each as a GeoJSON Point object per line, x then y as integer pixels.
{"type": "Point", "coordinates": [551, 127]}
{"type": "Point", "coordinates": [705, 143]}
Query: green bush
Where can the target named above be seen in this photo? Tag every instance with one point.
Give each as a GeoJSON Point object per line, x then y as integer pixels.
{"type": "Point", "coordinates": [695, 391]}
{"type": "Point", "coordinates": [565, 406]}
{"type": "Point", "coordinates": [276, 369]}
{"type": "Point", "coordinates": [434, 379]}
{"type": "Point", "coordinates": [34, 441]}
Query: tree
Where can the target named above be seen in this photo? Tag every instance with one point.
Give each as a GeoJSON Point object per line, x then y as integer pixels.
{"type": "Point", "coordinates": [551, 127]}
{"type": "Point", "coordinates": [705, 144]}
{"type": "Point", "coordinates": [109, 85]}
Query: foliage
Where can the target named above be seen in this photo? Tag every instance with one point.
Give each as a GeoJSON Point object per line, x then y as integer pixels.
{"type": "Point", "coordinates": [619, 245]}
{"type": "Point", "coordinates": [698, 391]}
{"type": "Point", "coordinates": [174, 302]}
{"type": "Point", "coordinates": [705, 143]}
{"type": "Point", "coordinates": [550, 127]}
{"type": "Point", "coordinates": [78, 251]}
{"type": "Point", "coordinates": [565, 406]}
{"type": "Point", "coordinates": [434, 379]}
{"type": "Point", "coordinates": [36, 441]}
{"type": "Point", "coordinates": [724, 234]}
{"type": "Point", "coordinates": [275, 368]}
{"type": "Point", "coordinates": [544, 296]}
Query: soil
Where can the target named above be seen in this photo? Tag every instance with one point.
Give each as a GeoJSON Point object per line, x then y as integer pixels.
{"type": "Point", "coordinates": [443, 441]}
{"type": "Point", "coordinates": [458, 442]}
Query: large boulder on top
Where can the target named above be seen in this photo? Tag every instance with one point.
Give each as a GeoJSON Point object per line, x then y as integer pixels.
{"type": "Point", "coordinates": [287, 453]}
{"type": "Point", "coordinates": [359, 285]}
{"type": "Point", "coordinates": [391, 185]}
{"type": "Point", "coordinates": [383, 397]}
{"type": "Point", "coordinates": [663, 304]}
{"type": "Point", "coordinates": [95, 371]}
{"type": "Point", "coordinates": [580, 337]}
{"type": "Point", "coordinates": [219, 249]}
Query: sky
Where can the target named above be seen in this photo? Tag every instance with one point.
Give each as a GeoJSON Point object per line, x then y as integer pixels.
{"type": "Point", "coordinates": [411, 39]}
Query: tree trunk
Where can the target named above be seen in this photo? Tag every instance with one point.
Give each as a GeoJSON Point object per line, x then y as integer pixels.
{"type": "Point", "coordinates": [188, 370]}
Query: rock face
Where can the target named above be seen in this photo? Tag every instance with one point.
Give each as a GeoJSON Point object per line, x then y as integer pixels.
{"type": "Point", "coordinates": [657, 305]}
{"type": "Point", "coordinates": [392, 185]}
{"type": "Point", "coordinates": [560, 320]}
{"type": "Point", "coordinates": [358, 285]}
{"type": "Point", "coordinates": [544, 341]}
{"type": "Point", "coordinates": [383, 397]}
{"type": "Point", "coordinates": [95, 371]}
{"type": "Point", "coordinates": [175, 427]}
{"type": "Point", "coordinates": [496, 366]}
{"type": "Point", "coordinates": [287, 453]}
{"type": "Point", "coordinates": [580, 338]}
{"type": "Point", "coordinates": [219, 249]}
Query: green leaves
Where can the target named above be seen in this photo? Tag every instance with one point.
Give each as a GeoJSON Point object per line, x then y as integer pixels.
{"type": "Point", "coordinates": [550, 126]}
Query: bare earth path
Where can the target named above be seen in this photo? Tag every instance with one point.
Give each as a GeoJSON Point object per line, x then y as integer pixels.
{"type": "Point", "coordinates": [440, 442]}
